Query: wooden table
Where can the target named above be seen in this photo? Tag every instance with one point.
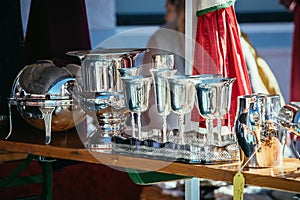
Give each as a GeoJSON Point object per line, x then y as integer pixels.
{"type": "Point", "coordinates": [67, 145]}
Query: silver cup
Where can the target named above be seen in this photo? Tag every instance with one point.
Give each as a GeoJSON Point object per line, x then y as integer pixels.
{"type": "Point", "coordinates": [136, 93]}
{"type": "Point", "coordinates": [163, 61]}
{"type": "Point", "coordinates": [133, 71]}
{"type": "Point", "coordinates": [213, 97]}
{"type": "Point", "coordinates": [182, 97]}
{"type": "Point", "coordinates": [162, 94]}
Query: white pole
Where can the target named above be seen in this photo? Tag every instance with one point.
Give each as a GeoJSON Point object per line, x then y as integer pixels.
{"type": "Point", "coordinates": [192, 189]}
{"type": "Point", "coordinates": [190, 29]}
{"type": "Point", "coordinates": [192, 186]}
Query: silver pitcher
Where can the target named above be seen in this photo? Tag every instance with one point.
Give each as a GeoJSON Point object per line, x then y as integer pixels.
{"type": "Point", "coordinates": [257, 132]}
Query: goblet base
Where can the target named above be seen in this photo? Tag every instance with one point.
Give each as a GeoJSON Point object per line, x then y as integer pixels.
{"type": "Point", "coordinates": [98, 140]}
{"type": "Point", "coordinates": [195, 149]}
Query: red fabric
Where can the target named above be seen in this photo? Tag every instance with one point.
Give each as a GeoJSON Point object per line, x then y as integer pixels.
{"type": "Point", "coordinates": [78, 181]}
{"type": "Point", "coordinates": [295, 71]}
{"type": "Point", "coordinates": [55, 27]}
{"type": "Point", "coordinates": [218, 50]}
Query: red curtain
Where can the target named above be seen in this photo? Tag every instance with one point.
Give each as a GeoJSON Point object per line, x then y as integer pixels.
{"type": "Point", "coordinates": [218, 50]}
{"type": "Point", "coordinates": [295, 71]}
{"type": "Point", "coordinates": [55, 27]}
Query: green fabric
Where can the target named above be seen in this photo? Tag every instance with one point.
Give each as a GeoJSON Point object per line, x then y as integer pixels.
{"type": "Point", "coordinates": [147, 177]}
{"type": "Point", "coordinates": [214, 8]}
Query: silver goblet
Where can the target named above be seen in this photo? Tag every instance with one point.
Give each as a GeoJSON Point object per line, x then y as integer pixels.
{"type": "Point", "coordinates": [213, 97]}
{"type": "Point", "coordinates": [162, 94]}
{"type": "Point", "coordinates": [126, 72]}
{"type": "Point", "coordinates": [163, 61]}
{"type": "Point", "coordinates": [136, 93]}
{"type": "Point", "coordinates": [133, 71]}
{"type": "Point", "coordinates": [182, 96]}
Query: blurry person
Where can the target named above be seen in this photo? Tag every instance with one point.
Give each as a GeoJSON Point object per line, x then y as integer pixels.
{"type": "Point", "coordinates": [169, 38]}
{"type": "Point", "coordinates": [170, 11]}
{"type": "Point", "coordinates": [294, 7]}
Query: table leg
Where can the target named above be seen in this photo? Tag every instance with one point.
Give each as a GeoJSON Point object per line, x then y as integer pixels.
{"type": "Point", "coordinates": [47, 177]}
{"type": "Point", "coordinates": [10, 178]}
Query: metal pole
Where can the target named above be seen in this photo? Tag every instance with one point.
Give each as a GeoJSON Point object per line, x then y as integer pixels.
{"type": "Point", "coordinates": [192, 189]}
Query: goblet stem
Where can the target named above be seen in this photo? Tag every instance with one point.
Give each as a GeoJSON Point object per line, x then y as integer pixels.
{"type": "Point", "coordinates": [139, 125]}
{"type": "Point", "coordinates": [164, 125]}
{"type": "Point", "coordinates": [133, 124]}
{"type": "Point", "coordinates": [219, 130]}
{"type": "Point", "coordinates": [209, 128]}
{"type": "Point", "coordinates": [181, 128]}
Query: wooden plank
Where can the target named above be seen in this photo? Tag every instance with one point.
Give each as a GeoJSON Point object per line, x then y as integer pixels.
{"type": "Point", "coordinates": [11, 156]}
{"type": "Point", "coordinates": [69, 146]}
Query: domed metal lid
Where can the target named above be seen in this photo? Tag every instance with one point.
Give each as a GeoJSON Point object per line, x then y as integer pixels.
{"type": "Point", "coordinates": [43, 81]}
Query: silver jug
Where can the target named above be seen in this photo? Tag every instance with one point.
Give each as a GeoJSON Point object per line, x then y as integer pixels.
{"type": "Point", "coordinates": [257, 131]}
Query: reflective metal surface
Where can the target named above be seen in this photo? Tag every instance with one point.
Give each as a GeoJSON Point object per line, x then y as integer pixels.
{"type": "Point", "coordinates": [100, 68]}
{"type": "Point", "coordinates": [43, 86]}
{"type": "Point", "coordinates": [182, 94]}
{"type": "Point", "coordinates": [289, 117]}
{"type": "Point", "coordinates": [133, 71]}
{"type": "Point", "coordinates": [257, 131]}
{"type": "Point", "coordinates": [100, 91]}
{"type": "Point", "coordinates": [163, 61]}
{"type": "Point", "coordinates": [182, 98]}
{"type": "Point", "coordinates": [162, 91]}
{"type": "Point", "coordinates": [162, 94]}
{"type": "Point", "coordinates": [136, 92]}
{"type": "Point", "coordinates": [213, 97]}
